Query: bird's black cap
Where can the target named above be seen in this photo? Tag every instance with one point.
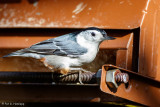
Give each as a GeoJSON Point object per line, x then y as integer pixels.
{"type": "Point", "coordinates": [102, 31]}
{"type": "Point", "coordinates": [95, 28]}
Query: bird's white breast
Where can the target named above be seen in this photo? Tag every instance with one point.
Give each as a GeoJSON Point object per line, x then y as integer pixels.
{"type": "Point", "coordinates": [92, 49]}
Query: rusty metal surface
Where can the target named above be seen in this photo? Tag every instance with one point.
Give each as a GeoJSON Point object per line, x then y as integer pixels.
{"type": "Point", "coordinates": [141, 89]}
{"type": "Point", "coordinates": [124, 56]}
{"type": "Point", "coordinates": [25, 38]}
{"type": "Point", "coordinates": [150, 41]}
{"type": "Point", "coordinates": [112, 14]}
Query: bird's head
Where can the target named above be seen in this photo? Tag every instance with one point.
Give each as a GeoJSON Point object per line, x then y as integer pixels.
{"type": "Point", "coordinates": [94, 34]}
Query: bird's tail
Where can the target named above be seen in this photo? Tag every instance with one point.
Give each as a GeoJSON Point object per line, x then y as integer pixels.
{"type": "Point", "coordinates": [24, 53]}
{"type": "Point", "coordinates": [17, 53]}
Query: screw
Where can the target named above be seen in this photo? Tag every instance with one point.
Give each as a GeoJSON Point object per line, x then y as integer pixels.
{"type": "Point", "coordinates": [122, 77]}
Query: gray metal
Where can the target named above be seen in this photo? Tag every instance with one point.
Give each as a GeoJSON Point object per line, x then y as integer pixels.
{"type": "Point", "coordinates": [115, 76]}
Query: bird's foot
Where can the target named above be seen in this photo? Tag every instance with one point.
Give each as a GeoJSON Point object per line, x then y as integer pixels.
{"type": "Point", "coordinates": [80, 71]}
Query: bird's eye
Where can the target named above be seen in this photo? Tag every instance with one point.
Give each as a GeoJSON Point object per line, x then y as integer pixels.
{"type": "Point", "coordinates": [93, 34]}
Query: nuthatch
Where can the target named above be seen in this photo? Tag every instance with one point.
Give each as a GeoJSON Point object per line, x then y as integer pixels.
{"type": "Point", "coordinates": [66, 53]}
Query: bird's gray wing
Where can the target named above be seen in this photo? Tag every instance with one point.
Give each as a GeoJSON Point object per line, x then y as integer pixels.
{"type": "Point", "coordinates": [65, 45]}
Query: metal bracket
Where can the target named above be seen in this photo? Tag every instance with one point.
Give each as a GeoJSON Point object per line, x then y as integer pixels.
{"type": "Point", "coordinates": [140, 89]}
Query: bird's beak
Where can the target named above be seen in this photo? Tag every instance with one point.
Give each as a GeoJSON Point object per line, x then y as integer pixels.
{"type": "Point", "coordinates": [109, 37]}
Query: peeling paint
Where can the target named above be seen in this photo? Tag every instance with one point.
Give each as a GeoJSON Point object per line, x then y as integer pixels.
{"type": "Point", "coordinates": [80, 7]}
{"type": "Point", "coordinates": [31, 21]}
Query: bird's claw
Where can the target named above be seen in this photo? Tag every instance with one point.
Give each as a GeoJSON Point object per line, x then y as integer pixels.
{"type": "Point", "coordinates": [80, 77]}
{"type": "Point", "coordinates": [80, 71]}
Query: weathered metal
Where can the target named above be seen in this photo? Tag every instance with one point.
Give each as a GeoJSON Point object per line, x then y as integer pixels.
{"type": "Point", "coordinates": [149, 47]}
{"type": "Point", "coordinates": [114, 76]}
{"type": "Point", "coordinates": [111, 14]}
{"type": "Point", "coordinates": [86, 77]}
{"type": "Point", "coordinates": [122, 77]}
{"type": "Point", "coordinates": [140, 88]}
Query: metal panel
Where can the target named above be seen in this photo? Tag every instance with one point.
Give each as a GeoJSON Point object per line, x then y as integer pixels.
{"type": "Point", "coordinates": [149, 41]}
{"type": "Point", "coordinates": [112, 14]}
{"type": "Point", "coordinates": [23, 41]}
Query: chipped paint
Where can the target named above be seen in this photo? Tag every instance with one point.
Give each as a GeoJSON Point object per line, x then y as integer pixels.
{"type": "Point", "coordinates": [31, 21]}
{"type": "Point", "coordinates": [80, 7]}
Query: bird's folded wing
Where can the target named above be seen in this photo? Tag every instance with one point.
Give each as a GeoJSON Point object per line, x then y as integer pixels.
{"type": "Point", "coordinates": [65, 45]}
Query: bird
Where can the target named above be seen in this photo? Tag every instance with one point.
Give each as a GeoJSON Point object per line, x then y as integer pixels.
{"type": "Point", "coordinates": [65, 54]}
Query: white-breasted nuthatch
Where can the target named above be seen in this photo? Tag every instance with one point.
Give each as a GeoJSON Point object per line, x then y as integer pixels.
{"type": "Point", "coordinates": [65, 53]}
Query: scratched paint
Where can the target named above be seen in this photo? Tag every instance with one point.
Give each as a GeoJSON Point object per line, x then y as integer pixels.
{"type": "Point", "coordinates": [79, 8]}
